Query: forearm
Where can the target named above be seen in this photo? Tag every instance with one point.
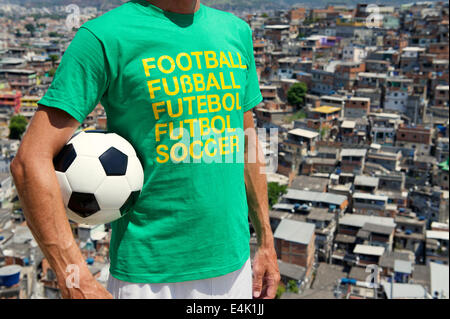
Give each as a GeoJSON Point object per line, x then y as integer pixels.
{"type": "Point", "coordinates": [257, 198]}
{"type": "Point", "coordinates": [42, 204]}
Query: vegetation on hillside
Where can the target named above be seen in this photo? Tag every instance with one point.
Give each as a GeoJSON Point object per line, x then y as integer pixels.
{"type": "Point", "coordinates": [17, 126]}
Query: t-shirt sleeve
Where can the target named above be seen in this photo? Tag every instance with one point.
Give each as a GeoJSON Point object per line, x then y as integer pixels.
{"type": "Point", "coordinates": [81, 78]}
{"type": "Point", "coordinates": [252, 92]}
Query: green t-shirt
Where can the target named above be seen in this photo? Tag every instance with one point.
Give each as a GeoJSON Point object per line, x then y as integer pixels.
{"type": "Point", "coordinates": [154, 72]}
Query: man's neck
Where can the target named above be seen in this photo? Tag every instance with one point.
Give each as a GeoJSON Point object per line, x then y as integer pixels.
{"type": "Point", "coordinates": [177, 6]}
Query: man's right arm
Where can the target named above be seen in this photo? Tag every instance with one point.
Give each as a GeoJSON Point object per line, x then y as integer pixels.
{"type": "Point", "coordinates": [38, 190]}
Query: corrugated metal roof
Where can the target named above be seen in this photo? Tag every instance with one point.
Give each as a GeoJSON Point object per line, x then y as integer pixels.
{"type": "Point", "coordinates": [353, 152]}
{"type": "Point", "coordinates": [303, 133]}
{"type": "Point", "coordinates": [378, 229]}
{"type": "Point", "coordinates": [368, 250]}
{"type": "Point", "coordinates": [363, 180]}
{"type": "Point", "coordinates": [291, 270]}
{"type": "Point", "coordinates": [283, 206]}
{"type": "Point", "coordinates": [370, 196]}
{"type": "Point", "coordinates": [357, 220]}
{"type": "Point", "coordinates": [436, 234]}
{"type": "Point", "coordinates": [295, 231]}
{"type": "Point", "coordinates": [318, 197]}
{"type": "Point", "coordinates": [348, 124]}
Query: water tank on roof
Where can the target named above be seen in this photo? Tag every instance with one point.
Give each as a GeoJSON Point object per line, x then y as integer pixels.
{"type": "Point", "coordinates": [90, 261]}
{"type": "Point", "coordinates": [10, 275]}
{"type": "Point", "coordinates": [349, 281]}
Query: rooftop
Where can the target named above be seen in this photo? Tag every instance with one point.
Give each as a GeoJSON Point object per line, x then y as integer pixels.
{"type": "Point", "coordinates": [309, 183]}
{"type": "Point", "coordinates": [320, 214]}
{"type": "Point", "coordinates": [403, 266]}
{"type": "Point", "coordinates": [437, 234]}
{"type": "Point", "coordinates": [304, 133]}
{"type": "Point", "coordinates": [368, 250]}
{"type": "Point", "coordinates": [404, 291]}
{"type": "Point", "coordinates": [348, 124]}
{"type": "Point", "coordinates": [370, 197]}
{"type": "Point", "coordinates": [310, 196]}
{"type": "Point", "coordinates": [293, 271]}
{"type": "Point", "coordinates": [357, 220]}
{"type": "Point", "coordinates": [388, 259]}
{"type": "Point", "coordinates": [355, 152]}
{"type": "Point", "coordinates": [362, 180]}
{"type": "Point", "coordinates": [326, 109]}
{"type": "Point", "coordinates": [295, 231]}
{"type": "Point", "coordinates": [378, 229]}
{"type": "Point", "coordinates": [19, 71]}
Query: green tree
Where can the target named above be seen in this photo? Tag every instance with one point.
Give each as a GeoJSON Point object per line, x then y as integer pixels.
{"type": "Point", "coordinates": [292, 286]}
{"type": "Point", "coordinates": [54, 34]}
{"type": "Point", "coordinates": [280, 291]}
{"type": "Point", "coordinates": [51, 72]}
{"type": "Point", "coordinates": [53, 58]}
{"type": "Point", "coordinates": [301, 35]}
{"type": "Point", "coordinates": [296, 116]}
{"type": "Point", "coordinates": [296, 94]}
{"type": "Point", "coordinates": [30, 28]}
{"type": "Point", "coordinates": [275, 192]}
{"type": "Point", "coordinates": [17, 125]}
{"type": "Point", "coordinates": [323, 132]}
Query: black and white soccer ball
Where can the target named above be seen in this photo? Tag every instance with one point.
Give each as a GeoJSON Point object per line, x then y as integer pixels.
{"type": "Point", "coordinates": [100, 177]}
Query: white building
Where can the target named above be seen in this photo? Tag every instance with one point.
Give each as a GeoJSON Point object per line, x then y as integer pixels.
{"type": "Point", "coordinates": [353, 53]}
{"type": "Point", "coordinates": [396, 101]}
{"type": "Point", "coordinates": [397, 92]}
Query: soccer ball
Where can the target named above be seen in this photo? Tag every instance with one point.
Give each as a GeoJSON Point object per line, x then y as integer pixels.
{"type": "Point", "coordinates": [100, 177]}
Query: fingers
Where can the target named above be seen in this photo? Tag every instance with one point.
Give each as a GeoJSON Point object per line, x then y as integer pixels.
{"type": "Point", "coordinates": [266, 286]}
{"type": "Point", "coordinates": [271, 288]}
{"type": "Point", "coordinates": [258, 274]}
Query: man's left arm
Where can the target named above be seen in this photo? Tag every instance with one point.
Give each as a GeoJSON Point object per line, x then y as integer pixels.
{"type": "Point", "coordinates": [266, 275]}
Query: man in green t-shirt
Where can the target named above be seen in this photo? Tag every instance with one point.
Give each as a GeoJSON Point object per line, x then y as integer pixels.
{"type": "Point", "coordinates": [178, 80]}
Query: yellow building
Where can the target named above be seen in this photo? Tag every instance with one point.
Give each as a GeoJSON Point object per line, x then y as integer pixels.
{"type": "Point", "coordinates": [28, 105]}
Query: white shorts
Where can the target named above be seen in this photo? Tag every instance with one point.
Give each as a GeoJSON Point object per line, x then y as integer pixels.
{"type": "Point", "coordinates": [235, 285]}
